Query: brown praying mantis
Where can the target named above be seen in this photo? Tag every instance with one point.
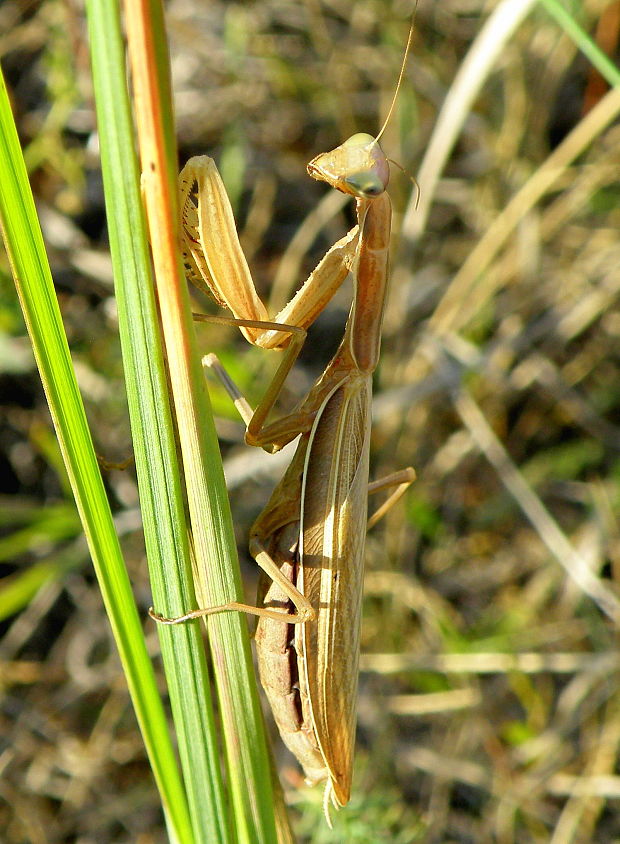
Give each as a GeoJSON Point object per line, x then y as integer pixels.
{"type": "Point", "coordinates": [309, 539]}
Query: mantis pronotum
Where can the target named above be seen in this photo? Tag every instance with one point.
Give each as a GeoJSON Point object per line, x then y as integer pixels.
{"type": "Point", "coordinates": [310, 537]}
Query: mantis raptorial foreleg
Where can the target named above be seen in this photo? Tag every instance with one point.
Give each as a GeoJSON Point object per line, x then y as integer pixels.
{"type": "Point", "coordinates": [216, 263]}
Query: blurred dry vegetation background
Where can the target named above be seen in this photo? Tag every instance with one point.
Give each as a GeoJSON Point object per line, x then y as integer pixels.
{"type": "Point", "coordinates": [489, 696]}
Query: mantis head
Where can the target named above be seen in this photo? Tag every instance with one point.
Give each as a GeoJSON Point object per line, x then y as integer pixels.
{"type": "Point", "coordinates": [357, 167]}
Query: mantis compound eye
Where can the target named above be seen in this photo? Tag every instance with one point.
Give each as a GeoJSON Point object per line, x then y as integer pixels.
{"type": "Point", "coordinates": [365, 184]}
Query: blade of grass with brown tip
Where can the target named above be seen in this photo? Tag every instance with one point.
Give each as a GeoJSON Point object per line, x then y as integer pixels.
{"type": "Point", "coordinates": [161, 496]}
{"type": "Point", "coordinates": [217, 575]}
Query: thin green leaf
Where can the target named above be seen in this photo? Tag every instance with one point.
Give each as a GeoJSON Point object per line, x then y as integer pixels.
{"type": "Point", "coordinates": [154, 444]}
{"type": "Point", "coordinates": [217, 575]}
{"type": "Point", "coordinates": [588, 47]}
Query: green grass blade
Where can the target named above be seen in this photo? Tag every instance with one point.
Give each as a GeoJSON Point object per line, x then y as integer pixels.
{"type": "Point", "coordinates": [217, 574]}
{"type": "Point", "coordinates": [154, 444]}
{"type": "Point", "coordinates": [584, 42]}
{"type": "Point", "coordinates": [24, 244]}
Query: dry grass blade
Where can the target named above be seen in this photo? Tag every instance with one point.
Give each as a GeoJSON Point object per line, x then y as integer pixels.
{"type": "Point", "coordinates": [472, 286]}
{"type": "Point", "coordinates": [577, 566]}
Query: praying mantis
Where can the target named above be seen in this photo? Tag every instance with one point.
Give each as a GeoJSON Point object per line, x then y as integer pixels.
{"type": "Point", "coordinates": [309, 539]}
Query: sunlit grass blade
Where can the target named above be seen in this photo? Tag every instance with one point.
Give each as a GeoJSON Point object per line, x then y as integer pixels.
{"type": "Point", "coordinates": [584, 42]}
{"type": "Point", "coordinates": [154, 444]}
{"type": "Point", "coordinates": [217, 579]}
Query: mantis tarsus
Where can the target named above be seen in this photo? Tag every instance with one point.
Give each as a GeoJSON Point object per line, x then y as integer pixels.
{"type": "Point", "coordinates": [309, 539]}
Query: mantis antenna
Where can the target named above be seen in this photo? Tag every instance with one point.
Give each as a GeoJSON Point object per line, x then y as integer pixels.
{"type": "Point", "coordinates": [400, 75]}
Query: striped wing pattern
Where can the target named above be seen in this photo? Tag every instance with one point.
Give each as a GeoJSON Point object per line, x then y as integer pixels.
{"type": "Point", "coordinates": [333, 530]}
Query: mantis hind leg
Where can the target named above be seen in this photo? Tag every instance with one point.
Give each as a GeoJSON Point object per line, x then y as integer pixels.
{"type": "Point", "coordinates": [402, 480]}
{"type": "Point", "coordinates": [304, 610]}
